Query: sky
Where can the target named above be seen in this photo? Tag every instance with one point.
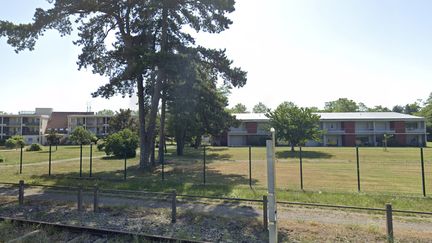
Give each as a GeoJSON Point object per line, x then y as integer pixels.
{"type": "Point", "coordinates": [305, 51]}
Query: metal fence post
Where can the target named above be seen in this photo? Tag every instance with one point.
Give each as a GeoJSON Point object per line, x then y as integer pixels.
{"type": "Point", "coordinates": [21, 157]}
{"type": "Point", "coordinates": [49, 161]}
{"type": "Point", "coordinates": [423, 172]}
{"type": "Point", "coordinates": [80, 198]}
{"type": "Point", "coordinates": [174, 207]}
{"type": "Point", "coordinates": [21, 193]}
{"type": "Point", "coordinates": [389, 219]}
{"type": "Point", "coordinates": [96, 199]}
{"type": "Point", "coordinates": [91, 160]}
{"type": "Point", "coordinates": [80, 160]}
{"type": "Point", "coordinates": [265, 217]}
{"type": "Point", "coordinates": [204, 165]}
{"type": "Point", "coordinates": [358, 169]}
{"type": "Point", "coordinates": [250, 166]}
{"type": "Point", "coordinates": [163, 169]}
{"type": "Point", "coordinates": [125, 166]}
{"type": "Point", "coordinates": [301, 167]}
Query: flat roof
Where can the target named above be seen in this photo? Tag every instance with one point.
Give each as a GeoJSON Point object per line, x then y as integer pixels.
{"type": "Point", "coordinates": [340, 116]}
{"type": "Point", "coordinates": [18, 116]}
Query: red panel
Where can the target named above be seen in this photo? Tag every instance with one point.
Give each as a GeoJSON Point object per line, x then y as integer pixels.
{"type": "Point", "coordinates": [399, 126]}
{"type": "Point", "coordinates": [350, 128]}
{"type": "Point", "coordinates": [251, 127]}
{"type": "Point", "coordinates": [348, 140]}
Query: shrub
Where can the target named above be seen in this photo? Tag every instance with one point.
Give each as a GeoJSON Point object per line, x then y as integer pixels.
{"type": "Point", "coordinates": [101, 145]}
{"type": "Point", "coordinates": [122, 143]}
{"type": "Point", "coordinates": [81, 136]}
{"type": "Point", "coordinates": [2, 159]}
{"type": "Point", "coordinates": [34, 147]}
{"type": "Point", "coordinates": [14, 142]}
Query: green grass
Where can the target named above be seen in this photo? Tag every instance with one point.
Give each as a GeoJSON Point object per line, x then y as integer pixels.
{"type": "Point", "coordinates": [329, 174]}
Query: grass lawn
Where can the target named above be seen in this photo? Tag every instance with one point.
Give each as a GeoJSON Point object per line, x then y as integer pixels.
{"type": "Point", "coordinates": [329, 174]}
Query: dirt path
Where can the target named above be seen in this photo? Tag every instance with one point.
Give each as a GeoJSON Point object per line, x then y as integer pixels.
{"type": "Point", "coordinates": [414, 224]}
{"type": "Point", "coordinates": [46, 162]}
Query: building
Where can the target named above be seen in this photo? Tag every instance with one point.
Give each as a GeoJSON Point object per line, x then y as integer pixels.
{"type": "Point", "coordinates": [341, 129]}
{"type": "Point", "coordinates": [96, 124]}
{"type": "Point", "coordinates": [30, 125]}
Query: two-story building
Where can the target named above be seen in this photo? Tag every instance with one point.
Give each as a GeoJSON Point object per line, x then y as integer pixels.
{"type": "Point", "coordinates": [96, 124]}
{"type": "Point", "coordinates": [340, 129]}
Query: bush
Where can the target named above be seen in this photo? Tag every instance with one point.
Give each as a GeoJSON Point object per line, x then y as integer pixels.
{"type": "Point", "coordinates": [14, 142]}
{"type": "Point", "coordinates": [101, 145]}
{"type": "Point", "coordinates": [2, 159]}
{"type": "Point", "coordinates": [122, 143]}
{"type": "Point", "coordinates": [34, 147]}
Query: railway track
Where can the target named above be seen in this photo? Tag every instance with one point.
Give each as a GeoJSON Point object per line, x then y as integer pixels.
{"type": "Point", "coordinates": [95, 235]}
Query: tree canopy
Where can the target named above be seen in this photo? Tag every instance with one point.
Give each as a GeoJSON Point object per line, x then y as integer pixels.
{"type": "Point", "coordinates": [81, 136]}
{"type": "Point", "coordinates": [341, 105]}
{"type": "Point", "coordinates": [294, 124]}
{"type": "Point", "coordinates": [260, 108]}
{"type": "Point", "coordinates": [239, 108]}
{"type": "Point", "coordinates": [123, 119]}
{"type": "Point", "coordinates": [151, 44]}
{"type": "Point", "coordinates": [105, 112]}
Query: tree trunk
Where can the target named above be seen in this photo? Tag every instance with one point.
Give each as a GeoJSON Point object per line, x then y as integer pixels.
{"type": "Point", "coordinates": [180, 147]}
{"type": "Point", "coordinates": [197, 142]}
{"type": "Point", "coordinates": [153, 156]}
{"type": "Point", "coordinates": [292, 148]}
{"type": "Point", "coordinates": [143, 163]}
{"type": "Point", "coordinates": [162, 130]}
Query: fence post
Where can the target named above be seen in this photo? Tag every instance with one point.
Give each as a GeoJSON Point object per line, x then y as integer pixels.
{"type": "Point", "coordinates": [423, 173]}
{"type": "Point", "coordinates": [21, 157]}
{"type": "Point", "coordinates": [49, 161]}
{"type": "Point", "coordinates": [81, 160]}
{"type": "Point", "coordinates": [389, 219]}
{"type": "Point", "coordinates": [163, 169]}
{"type": "Point", "coordinates": [265, 217]}
{"type": "Point", "coordinates": [91, 159]}
{"type": "Point", "coordinates": [301, 167]}
{"type": "Point", "coordinates": [250, 166]}
{"type": "Point", "coordinates": [125, 166]}
{"type": "Point", "coordinates": [204, 166]}
{"type": "Point", "coordinates": [174, 207]}
{"type": "Point", "coordinates": [96, 199]}
{"type": "Point", "coordinates": [21, 193]}
{"type": "Point", "coordinates": [358, 169]}
{"type": "Point", "coordinates": [80, 198]}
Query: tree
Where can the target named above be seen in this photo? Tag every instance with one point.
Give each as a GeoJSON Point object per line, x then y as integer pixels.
{"type": "Point", "coordinates": [53, 138]}
{"type": "Point", "coordinates": [260, 108]}
{"type": "Point", "coordinates": [239, 108]}
{"type": "Point", "coordinates": [398, 109]}
{"type": "Point", "coordinates": [105, 112]}
{"type": "Point", "coordinates": [150, 39]}
{"type": "Point", "coordinates": [81, 136]}
{"type": "Point", "coordinates": [293, 124]}
{"type": "Point", "coordinates": [362, 107]}
{"type": "Point", "coordinates": [379, 108]}
{"type": "Point", "coordinates": [16, 141]}
{"type": "Point", "coordinates": [121, 144]}
{"type": "Point", "coordinates": [341, 105]}
{"type": "Point", "coordinates": [123, 119]}
{"type": "Point", "coordinates": [411, 108]}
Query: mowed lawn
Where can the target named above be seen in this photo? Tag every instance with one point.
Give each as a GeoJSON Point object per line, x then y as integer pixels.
{"type": "Point", "coordinates": [329, 174]}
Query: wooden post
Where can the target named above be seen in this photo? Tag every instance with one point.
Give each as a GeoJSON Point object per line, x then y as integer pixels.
{"type": "Point", "coordinates": [301, 167]}
{"type": "Point", "coordinates": [204, 166]}
{"type": "Point", "coordinates": [80, 160]}
{"type": "Point", "coordinates": [80, 198]}
{"type": "Point", "coordinates": [21, 193]}
{"type": "Point", "coordinates": [423, 172]}
{"type": "Point", "coordinates": [49, 161]}
{"type": "Point", "coordinates": [389, 219]}
{"type": "Point", "coordinates": [21, 157]}
{"type": "Point", "coordinates": [96, 199]}
{"type": "Point", "coordinates": [250, 166]}
{"type": "Point", "coordinates": [265, 217]}
{"type": "Point", "coordinates": [91, 159]}
{"type": "Point", "coordinates": [358, 169]}
{"type": "Point", "coordinates": [174, 207]}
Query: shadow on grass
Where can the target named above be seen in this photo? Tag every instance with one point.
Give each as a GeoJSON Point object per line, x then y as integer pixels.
{"type": "Point", "coordinates": [212, 153]}
{"type": "Point", "coordinates": [305, 154]}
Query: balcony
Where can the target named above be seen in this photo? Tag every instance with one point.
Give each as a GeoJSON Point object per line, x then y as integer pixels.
{"type": "Point", "coordinates": [29, 133]}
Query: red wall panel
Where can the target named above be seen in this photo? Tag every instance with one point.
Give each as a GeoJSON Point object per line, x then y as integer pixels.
{"type": "Point", "coordinates": [251, 127]}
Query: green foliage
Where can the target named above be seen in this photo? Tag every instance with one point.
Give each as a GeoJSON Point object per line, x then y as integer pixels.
{"type": "Point", "coordinates": [123, 143]}
{"type": "Point", "coordinates": [379, 108]}
{"type": "Point", "coordinates": [105, 112]}
{"type": "Point", "coordinates": [101, 145]}
{"type": "Point", "coordinates": [293, 124]}
{"type": "Point", "coordinates": [123, 119]}
{"type": "Point", "coordinates": [341, 105]}
{"type": "Point", "coordinates": [34, 147]}
{"type": "Point", "coordinates": [260, 108]}
{"type": "Point", "coordinates": [239, 108]}
{"type": "Point", "coordinates": [81, 136]}
{"type": "Point", "coordinates": [2, 158]}
{"type": "Point", "coordinates": [16, 141]}
{"type": "Point", "coordinates": [53, 137]}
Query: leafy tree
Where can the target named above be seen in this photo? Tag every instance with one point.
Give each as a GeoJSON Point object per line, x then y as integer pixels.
{"type": "Point", "coordinates": [379, 108]}
{"type": "Point", "coordinates": [121, 144]}
{"type": "Point", "coordinates": [2, 113]}
{"type": "Point", "coordinates": [81, 136]}
{"type": "Point", "coordinates": [398, 109]}
{"type": "Point", "coordinates": [53, 138]}
{"type": "Point", "coordinates": [341, 105]}
{"type": "Point", "coordinates": [239, 108]}
{"type": "Point", "coordinates": [105, 112]}
{"type": "Point", "coordinates": [411, 108]}
{"type": "Point", "coordinates": [260, 108]}
{"type": "Point", "coordinates": [426, 112]}
{"type": "Point", "coordinates": [150, 39]}
{"type": "Point", "coordinates": [314, 109]}
{"type": "Point", "coordinates": [293, 124]}
{"type": "Point", "coordinates": [362, 107]}
{"type": "Point", "coordinates": [123, 119]}
{"type": "Point", "coordinates": [16, 141]}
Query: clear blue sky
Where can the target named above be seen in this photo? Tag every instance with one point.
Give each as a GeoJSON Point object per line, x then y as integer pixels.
{"type": "Point", "coordinates": [307, 52]}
